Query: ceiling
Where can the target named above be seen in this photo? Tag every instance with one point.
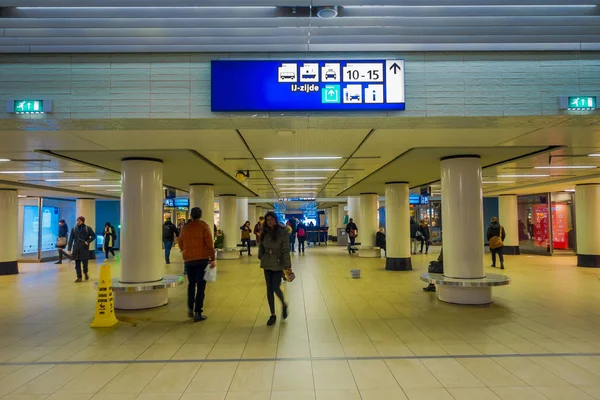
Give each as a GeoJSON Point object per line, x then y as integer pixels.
{"type": "Point", "coordinates": [368, 151]}
{"type": "Point", "coordinates": [84, 26]}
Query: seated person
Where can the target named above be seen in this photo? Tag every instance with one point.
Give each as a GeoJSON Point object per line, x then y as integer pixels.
{"type": "Point", "coordinates": [380, 239]}
{"type": "Point", "coordinates": [431, 286]}
{"type": "Point", "coordinates": [219, 240]}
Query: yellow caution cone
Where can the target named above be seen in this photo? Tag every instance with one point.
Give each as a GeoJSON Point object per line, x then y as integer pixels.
{"type": "Point", "coordinates": [105, 305]}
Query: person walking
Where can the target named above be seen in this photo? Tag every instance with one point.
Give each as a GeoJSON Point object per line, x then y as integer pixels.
{"type": "Point", "coordinates": [301, 237]}
{"type": "Point", "coordinates": [495, 236]}
{"type": "Point", "coordinates": [110, 235]}
{"type": "Point", "coordinates": [380, 239]}
{"type": "Point", "coordinates": [425, 236]}
{"type": "Point", "coordinates": [170, 231]}
{"type": "Point", "coordinates": [352, 231]}
{"type": "Point", "coordinates": [414, 233]}
{"type": "Point", "coordinates": [79, 247]}
{"type": "Point", "coordinates": [196, 244]}
{"type": "Point", "coordinates": [274, 256]}
{"type": "Point", "coordinates": [291, 235]}
{"type": "Point", "coordinates": [246, 232]}
{"type": "Point", "coordinates": [258, 228]}
{"type": "Point", "coordinates": [61, 242]}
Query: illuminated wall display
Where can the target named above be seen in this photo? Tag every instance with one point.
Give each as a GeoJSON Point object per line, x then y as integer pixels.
{"type": "Point", "coordinates": [578, 103]}
{"type": "Point", "coordinates": [28, 106]}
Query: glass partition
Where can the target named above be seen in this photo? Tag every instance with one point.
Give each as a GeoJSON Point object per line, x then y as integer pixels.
{"type": "Point", "coordinates": [534, 224]}
{"type": "Point", "coordinates": [563, 226]}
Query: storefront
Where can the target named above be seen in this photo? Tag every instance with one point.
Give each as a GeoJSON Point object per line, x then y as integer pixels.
{"type": "Point", "coordinates": [176, 209]}
{"type": "Point", "coordinates": [546, 223]}
{"type": "Point", "coordinates": [429, 211]}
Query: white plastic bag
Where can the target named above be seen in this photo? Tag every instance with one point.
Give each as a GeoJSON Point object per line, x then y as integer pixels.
{"type": "Point", "coordinates": [210, 274]}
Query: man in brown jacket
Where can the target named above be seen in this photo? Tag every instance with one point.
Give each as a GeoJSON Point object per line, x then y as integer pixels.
{"type": "Point", "coordinates": [196, 244]}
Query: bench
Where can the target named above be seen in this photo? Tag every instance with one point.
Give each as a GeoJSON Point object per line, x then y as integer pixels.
{"type": "Point", "coordinates": [466, 291]}
{"type": "Point", "coordinates": [230, 253]}
{"type": "Point", "coordinates": [135, 296]}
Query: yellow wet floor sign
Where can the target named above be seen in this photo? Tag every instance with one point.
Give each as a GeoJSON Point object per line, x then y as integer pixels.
{"type": "Point", "coordinates": [105, 304]}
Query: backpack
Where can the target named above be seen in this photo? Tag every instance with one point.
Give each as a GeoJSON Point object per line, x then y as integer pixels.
{"type": "Point", "coordinates": [167, 231]}
{"type": "Point", "coordinates": [435, 267]}
{"type": "Point", "coordinates": [301, 232]}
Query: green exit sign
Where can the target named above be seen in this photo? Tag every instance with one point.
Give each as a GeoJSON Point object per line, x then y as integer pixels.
{"type": "Point", "coordinates": [28, 106]}
{"type": "Point", "coordinates": [582, 103]}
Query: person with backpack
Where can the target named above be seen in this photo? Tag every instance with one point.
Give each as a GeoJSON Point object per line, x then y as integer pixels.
{"type": "Point", "coordinates": [110, 236]}
{"type": "Point", "coordinates": [79, 247]}
{"type": "Point", "coordinates": [495, 236]}
{"type": "Point", "coordinates": [415, 236]}
{"type": "Point", "coordinates": [301, 237]}
{"type": "Point", "coordinates": [170, 231]}
{"type": "Point", "coordinates": [352, 231]}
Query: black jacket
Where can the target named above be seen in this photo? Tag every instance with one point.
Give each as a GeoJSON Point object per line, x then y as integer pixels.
{"type": "Point", "coordinates": [80, 235]}
{"type": "Point", "coordinates": [424, 229]}
{"type": "Point", "coordinates": [351, 226]}
{"type": "Point", "coordinates": [380, 240]}
{"type": "Point", "coordinates": [414, 227]}
{"type": "Point", "coordinates": [169, 232]}
{"type": "Point", "coordinates": [494, 230]}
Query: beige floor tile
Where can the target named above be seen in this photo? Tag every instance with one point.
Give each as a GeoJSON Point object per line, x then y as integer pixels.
{"type": "Point", "coordinates": [293, 395]}
{"type": "Point", "coordinates": [451, 374]}
{"type": "Point", "coordinates": [518, 393]}
{"type": "Point", "coordinates": [160, 351]}
{"type": "Point", "coordinates": [253, 377]}
{"type": "Point", "coordinates": [337, 395]}
{"type": "Point", "coordinates": [25, 397]}
{"type": "Point", "coordinates": [563, 393]}
{"type": "Point", "coordinates": [204, 396]}
{"type": "Point", "coordinates": [375, 394]}
{"type": "Point", "coordinates": [529, 372]}
{"type": "Point", "coordinates": [213, 377]}
{"type": "Point", "coordinates": [412, 374]}
{"type": "Point", "coordinates": [92, 379]}
{"type": "Point", "coordinates": [264, 395]}
{"type": "Point", "coordinates": [293, 376]}
{"type": "Point", "coordinates": [473, 394]}
{"type": "Point", "coordinates": [372, 374]}
{"type": "Point", "coordinates": [593, 391]}
{"type": "Point", "coordinates": [568, 371]}
{"type": "Point", "coordinates": [392, 349]}
{"type": "Point", "coordinates": [159, 396]}
{"type": "Point", "coordinates": [415, 393]}
{"type": "Point", "coordinates": [173, 378]}
{"type": "Point", "coordinates": [34, 354]}
{"type": "Point", "coordinates": [6, 370]}
{"type": "Point", "coordinates": [52, 380]}
{"type": "Point", "coordinates": [333, 375]}
{"type": "Point", "coordinates": [21, 377]}
{"type": "Point", "coordinates": [77, 397]}
{"type": "Point", "coordinates": [114, 396]}
{"type": "Point", "coordinates": [133, 379]}
{"type": "Point", "coordinates": [326, 350]}
{"type": "Point", "coordinates": [192, 352]}
{"type": "Point", "coordinates": [490, 373]}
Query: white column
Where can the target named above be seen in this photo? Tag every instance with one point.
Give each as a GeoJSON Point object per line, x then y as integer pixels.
{"type": "Point", "coordinates": [203, 195]}
{"type": "Point", "coordinates": [141, 232]}
{"type": "Point", "coordinates": [241, 211]}
{"type": "Point", "coordinates": [508, 214]}
{"type": "Point", "coordinates": [368, 229]}
{"type": "Point", "coordinates": [587, 219]}
{"type": "Point", "coordinates": [229, 226]}
{"type": "Point", "coordinates": [462, 208]}
{"type": "Point", "coordinates": [354, 213]}
{"type": "Point", "coordinates": [397, 225]}
{"type": "Point", "coordinates": [9, 210]}
{"type": "Point", "coordinates": [252, 217]}
{"type": "Point", "coordinates": [333, 221]}
{"type": "Point", "coordinates": [87, 208]}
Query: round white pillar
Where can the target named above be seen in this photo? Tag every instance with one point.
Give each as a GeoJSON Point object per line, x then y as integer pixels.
{"type": "Point", "coordinates": [241, 211]}
{"type": "Point", "coordinates": [141, 232]}
{"type": "Point", "coordinates": [508, 214]}
{"type": "Point", "coordinates": [397, 225]}
{"type": "Point", "coordinates": [252, 217]}
{"type": "Point", "coordinates": [587, 219]}
{"type": "Point", "coordinates": [333, 222]}
{"type": "Point", "coordinates": [87, 208]}
{"type": "Point", "coordinates": [462, 208]}
{"type": "Point", "coordinates": [203, 195]}
{"type": "Point", "coordinates": [354, 213]}
{"type": "Point", "coordinates": [9, 210]}
{"type": "Point", "coordinates": [229, 226]}
{"type": "Point", "coordinates": [368, 218]}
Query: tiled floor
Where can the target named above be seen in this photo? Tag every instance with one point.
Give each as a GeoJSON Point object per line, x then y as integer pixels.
{"type": "Point", "coordinates": [376, 338]}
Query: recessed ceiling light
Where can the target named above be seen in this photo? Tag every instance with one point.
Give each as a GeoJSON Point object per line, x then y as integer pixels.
{"type": "Point", "coordinates": [570, 190]}
{"type": "Point", "coordinates": [300, 188]}
{"type": "Point", "coordinates": [31, 172]}
{"type": "Point", "coordinates": [567, 167]}
{"type": "Point", "coordinates": [21, 196]}
{"type": "Point", "coordinates": [303, 158]}
{"type": "Point", "coordinates": [523, 176]}
{"type": "Point", "coordinates": [98, 186]}
{"type": "Point", "coordinates": [113, 190]}
{"type": "Point", "coordinates": [307, 170]}
{"type": "Point", "coordinates": [304, 178]}
{"type": "Point", "coordinates": [299, 183]}
{"type": "Point", "coordinates": [73, 180]}
{"type": "Point", "coordinates": [497, 182]}
{"type": "Point", "coordinates": [4, 160]}
{"type": "Point", "coordinates": [594, 155]}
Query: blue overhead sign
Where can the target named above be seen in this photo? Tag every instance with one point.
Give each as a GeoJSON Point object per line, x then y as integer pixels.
{"type": "Point", "coordinates": [335, 85]}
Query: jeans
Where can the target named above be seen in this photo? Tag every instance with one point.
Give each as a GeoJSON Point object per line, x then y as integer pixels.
{"type": "Point", "coordinates": [301, 245]}
{"type": "Point", "coordinates": [196, 284]}
{"type": "Point", "coordinates": [426, 243]}
{"type": "Point", "coordinates": [351, 244]}
{"type": "Point", "coordinates": [273, 281]}
{"type": "Point", "coordinates": [500, 252]}
{"type": "Point", "coordinates": [246, 242]}
{"type": "Point", "coordinates": [78, 264]}
{"type": "Point", "coordinates": [292, 242]}
{"type": "Point", "coordinates": [168, 247]}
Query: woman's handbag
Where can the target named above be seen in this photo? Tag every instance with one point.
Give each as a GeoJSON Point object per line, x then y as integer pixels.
{"type": "Point", "coordinates": [496, 241]}
{"type": "Point", "coordinates": [289, 275]}
{"type": "Point", "coordinates": [61, 242]}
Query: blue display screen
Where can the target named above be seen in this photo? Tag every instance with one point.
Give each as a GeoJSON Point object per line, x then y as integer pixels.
{"type": "Point", "coordinates": [31, 228]}
{"type": "Point", "coordinates": [177, 202]}
{"type": "Point", "coordinates": [335, 85]}
{"type": "Point", "coordinates": [416, 199]}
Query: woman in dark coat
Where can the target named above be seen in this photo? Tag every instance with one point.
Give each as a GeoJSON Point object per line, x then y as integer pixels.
{"type": "Point", "coordinates": [274, 255]}
{"type": "Point", "coordinates": [79, 247]}
{"type": "Point", "coordinates": [63, 237]}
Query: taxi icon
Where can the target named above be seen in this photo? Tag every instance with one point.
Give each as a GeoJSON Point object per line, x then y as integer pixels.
{"type": "Point", "coordinates": [330, 74]}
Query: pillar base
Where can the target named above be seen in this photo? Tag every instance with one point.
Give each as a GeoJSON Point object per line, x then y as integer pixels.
{"type": "Point", "coordinates": [458, 295]}
{"type": "Point", "coordinates": [369, 253]}
{"type": "Point", "coordinates": [141, 300]}
{"type": "Point", "coordinates": [398, 264]}
{"type": "Point", "coordinates": [588, 260]}
{"type": "Point", "coordinates": [511, 250]}
{"type": "Point", "coordinates": [9, 268]}
{"type": "Point", "coordinates": [228, 254]}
